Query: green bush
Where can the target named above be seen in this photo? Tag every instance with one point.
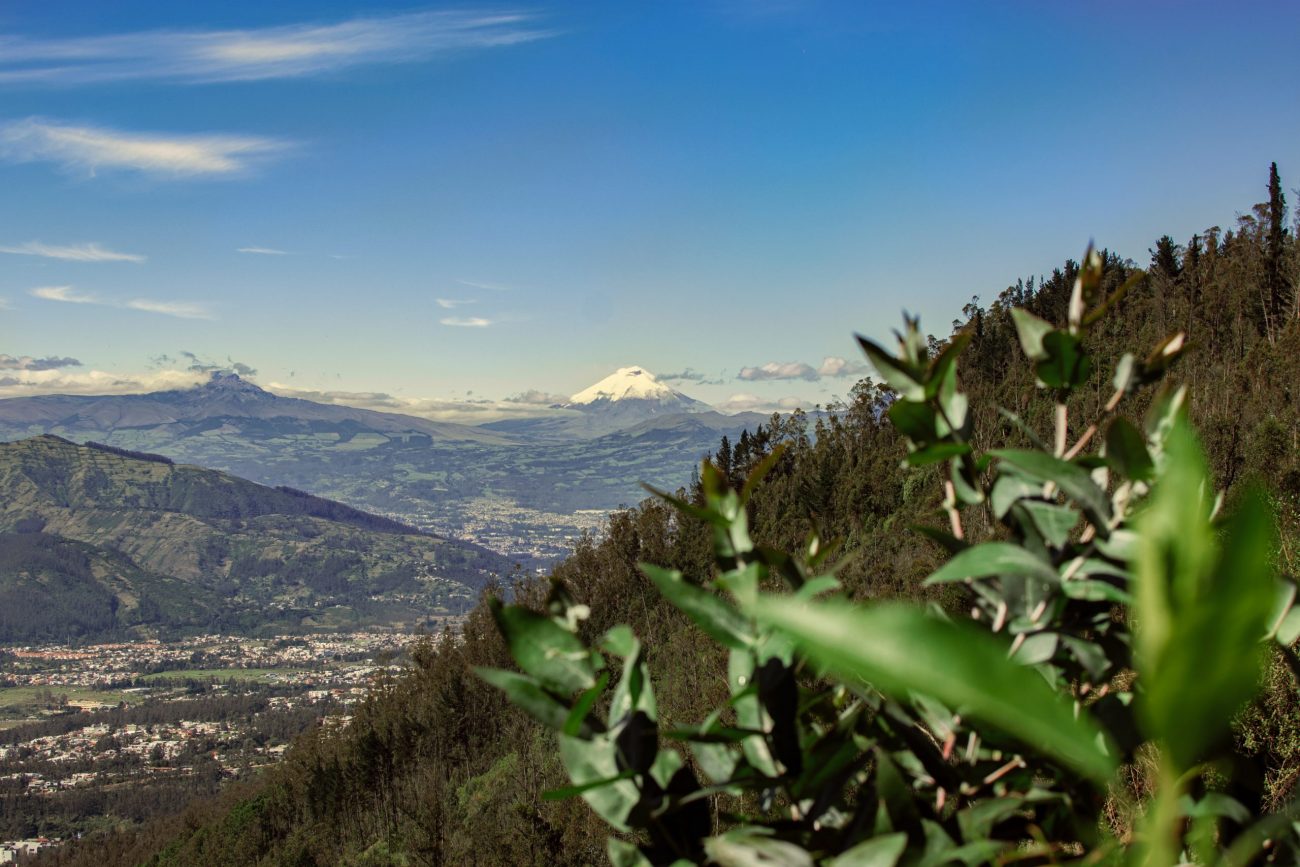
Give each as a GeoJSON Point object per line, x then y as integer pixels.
{"type": "Point", "coordinates": [1082, 711]}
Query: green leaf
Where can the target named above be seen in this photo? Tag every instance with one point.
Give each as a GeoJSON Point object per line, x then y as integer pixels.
{"type": "Point", "coordinates": [624, 854]}
{"type": "Point", "coordinates": [573, 726]}
{"type": "Point", "coordinates": [899, 649]}
{"type": "Point", "coordinates": [1037, 648]}
{"type": "Point", "coordinates": [566, 792]}
{"type": "Point", "coordinates": [1054, 522]}
{"type": "Point", "coordinates": [1126, 451]}
{"type": "Point", "coordinates": [899, 376]}
{"type": "Point", "coordinates": [883, 851]}
{"type": "Point", "coordinates": [937, 452]}
{"type": "Point", "coordinates": [1074, 481]}
{"type": "Point", "coordinates": [544, 649]}
{"type": "Point", "coordinates": [754, 846]}
{"type": "Point", "coordinates": [527, 694]}
{"type": "Point", "coordinates": [914, 420]}
{"type": "Point", "coordinates": [992, 559]}
{"type": "Point", "coordinates": [711, 613]}
{"type": "Point", "coordinates": [1200, 612]}
{"type": "Point", "coordinates": [593, 761]}
{"type": "Point", "coordinates": [1031, 330]}
{"type": "Point", "coordinates": [1067, 365]}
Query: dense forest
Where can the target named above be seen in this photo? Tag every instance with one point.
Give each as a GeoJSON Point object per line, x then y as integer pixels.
{"type": "Point", "coordinates": [438, 768]}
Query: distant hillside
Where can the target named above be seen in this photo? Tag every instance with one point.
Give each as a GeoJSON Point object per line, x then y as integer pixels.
{"type": "Point", "coordinates": [96, 540]}
{"type": "Point", "coordinates": [226, 405]}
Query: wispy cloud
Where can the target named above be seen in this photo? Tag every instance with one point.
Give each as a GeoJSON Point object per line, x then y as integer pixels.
{"type": "Point", "coordinates": [204, 365]}
{"type": "Point", "coordinates": [491, 287]}
{"type": "Point", "coordinates": [295, 50]}
{"type": "Point", "coordinates": [453, 303]}
{"type": "Point", "coordinates": [71, 252]}
{"type": "Point", "coordinates": [179, 309]}
{"type": "Point", "coordinates": [263, 251]}
{"type": "Point", "coordinates": [70, 295]}
{"type": "Point", "coordinates": [66, 294]}
{"type": "Point", "coordinates": [88, 150]}
{"type": "Point", "coordinates": [466, 321]}
{"type": "Point", "coordinates": [778, 370]}
{"type": "Point", "coordinates": [27, 362]}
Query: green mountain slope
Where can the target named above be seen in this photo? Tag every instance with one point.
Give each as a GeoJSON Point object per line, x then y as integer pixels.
{"type": "Point", "coordinates": [95, 540]}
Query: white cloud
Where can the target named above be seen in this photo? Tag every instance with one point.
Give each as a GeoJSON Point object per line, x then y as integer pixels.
{"type": "Point", "coordinates": [753, 403]}
{"type": "Point", "coordinates": [27, 362]}
{"type": "Point", "coordinates": [69, 295]}
{"type": "Point", "coordinates": [65, 294]}
{"type": "Point", "coordinates": [179, 309]}
{"type": "Point", "coordinates": [263, 251]}
{"type": "Point", "coordinates": [778, 370]}
{"type": "Point", "coordinates": [453, 303]}
{"type": "Point", "coordinates": [435, 409]}
{"type": "Point", "coordinates": [72, 252]}
{"type": "Point", "coordinates": [203, 56]}
{"type": "Point", "coordinates": [23, 383]}
{"type": "Point", "coordinates": [834, 366]}
{"type": "Point", "coordinates": [466, 321]}
{"type": "Point", "coordinates": [492, 287]}
{"type": "Point", "coordinates": [536, 397]}
{"type": "Point", "coordinates": [88, 150]}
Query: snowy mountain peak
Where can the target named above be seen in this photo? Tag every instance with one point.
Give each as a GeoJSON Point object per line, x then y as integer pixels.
{"type": "Point", "coordinates": [626, 383]}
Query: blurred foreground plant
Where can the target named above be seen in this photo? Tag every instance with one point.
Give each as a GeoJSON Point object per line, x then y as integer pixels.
{"type": "Point", "coordinates": [1115, 623]}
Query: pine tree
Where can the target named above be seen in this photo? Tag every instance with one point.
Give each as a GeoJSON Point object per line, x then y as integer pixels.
{"type": "Point", "coordinates": [1274, 247]}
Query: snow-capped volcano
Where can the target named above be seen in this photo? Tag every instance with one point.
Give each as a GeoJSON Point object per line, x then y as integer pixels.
{"type": "Point", "coordinates": [634, 386]}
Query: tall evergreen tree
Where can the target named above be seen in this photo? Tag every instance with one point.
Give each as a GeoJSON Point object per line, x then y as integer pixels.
{"type": "Point", "coordinates": [1274, 248]}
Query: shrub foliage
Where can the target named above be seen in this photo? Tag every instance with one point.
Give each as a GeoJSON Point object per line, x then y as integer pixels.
{"type": "Point", "coordinates": [1082, 709]}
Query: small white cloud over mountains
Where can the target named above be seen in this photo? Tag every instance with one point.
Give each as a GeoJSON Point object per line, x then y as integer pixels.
{"type": "Point", "coordinates": [466, 321]}
{"type": "Point", "coordinates": [753, 403]}
{"type": "Point", "coordinates": [778, 370]}
{"type": "Point", "coordinates": [71, 252]}
{"type": "Point", "coordinates": [30, 381]}
{"type": "Point", "coordinates": [833, 366]}
{"type": "Point", "coordinates": [263, 251]}
{"type": "Point", "coordinates": [88, 150]}
{"type": "Point", "coordinates": [27, 362]}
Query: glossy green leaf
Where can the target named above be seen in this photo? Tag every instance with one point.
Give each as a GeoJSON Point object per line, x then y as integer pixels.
{"type": "Point", "coordinates": [937, 452]}
{"type": "Point", "coordinates": [526, 694]}
{"type": "Point", "coordinates": [1074, 481]}
{"type": "Point", "coordinates": [624, 854]}
{"type": "Point", "coordinates": [714, 615]}
{"type": "Point", "coordinates": [1031, 330]}
{"type": "Point", "coordinates": [1053, 521]}
{"type": "Point", "coordinates": [754, 846]}
{"type": "Point", "coordinates": [1067, 365]}
{"type": "Point", "coordinates": [899, 649]}
{"type": "Point", "coordinates": [544, 649]}
{"type": "Point", "coordinates": [1200, 613]}
{"type": "Point", "coordinates": [1126, 451]}
{"type": "Point", "coordinates": [990, 560]}
{"type": "Point", "coordinates": [882, 851]}
{"type": "Point", "coordinates": [593, 761]}
{"type": "Point", "coordinates": [896, 374]}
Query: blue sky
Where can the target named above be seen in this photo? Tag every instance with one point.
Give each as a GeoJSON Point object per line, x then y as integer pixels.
{"type": "Point", "coordinates": [474, 202]}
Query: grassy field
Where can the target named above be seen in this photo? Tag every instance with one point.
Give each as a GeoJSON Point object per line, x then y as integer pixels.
{"type": "Point", "coordinates": [260, 675]}
{"type": "Point", "coordinates": [18, 700]}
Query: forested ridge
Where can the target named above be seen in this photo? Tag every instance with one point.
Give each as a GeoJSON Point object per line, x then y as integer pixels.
{"type": "Point", "coordinates": [437, 767]}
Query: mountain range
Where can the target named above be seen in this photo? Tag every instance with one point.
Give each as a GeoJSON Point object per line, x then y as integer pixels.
{"type": "Point", "coordinates": [97, 541]}
{"type": "Point", "coordinates": [525, 487]}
